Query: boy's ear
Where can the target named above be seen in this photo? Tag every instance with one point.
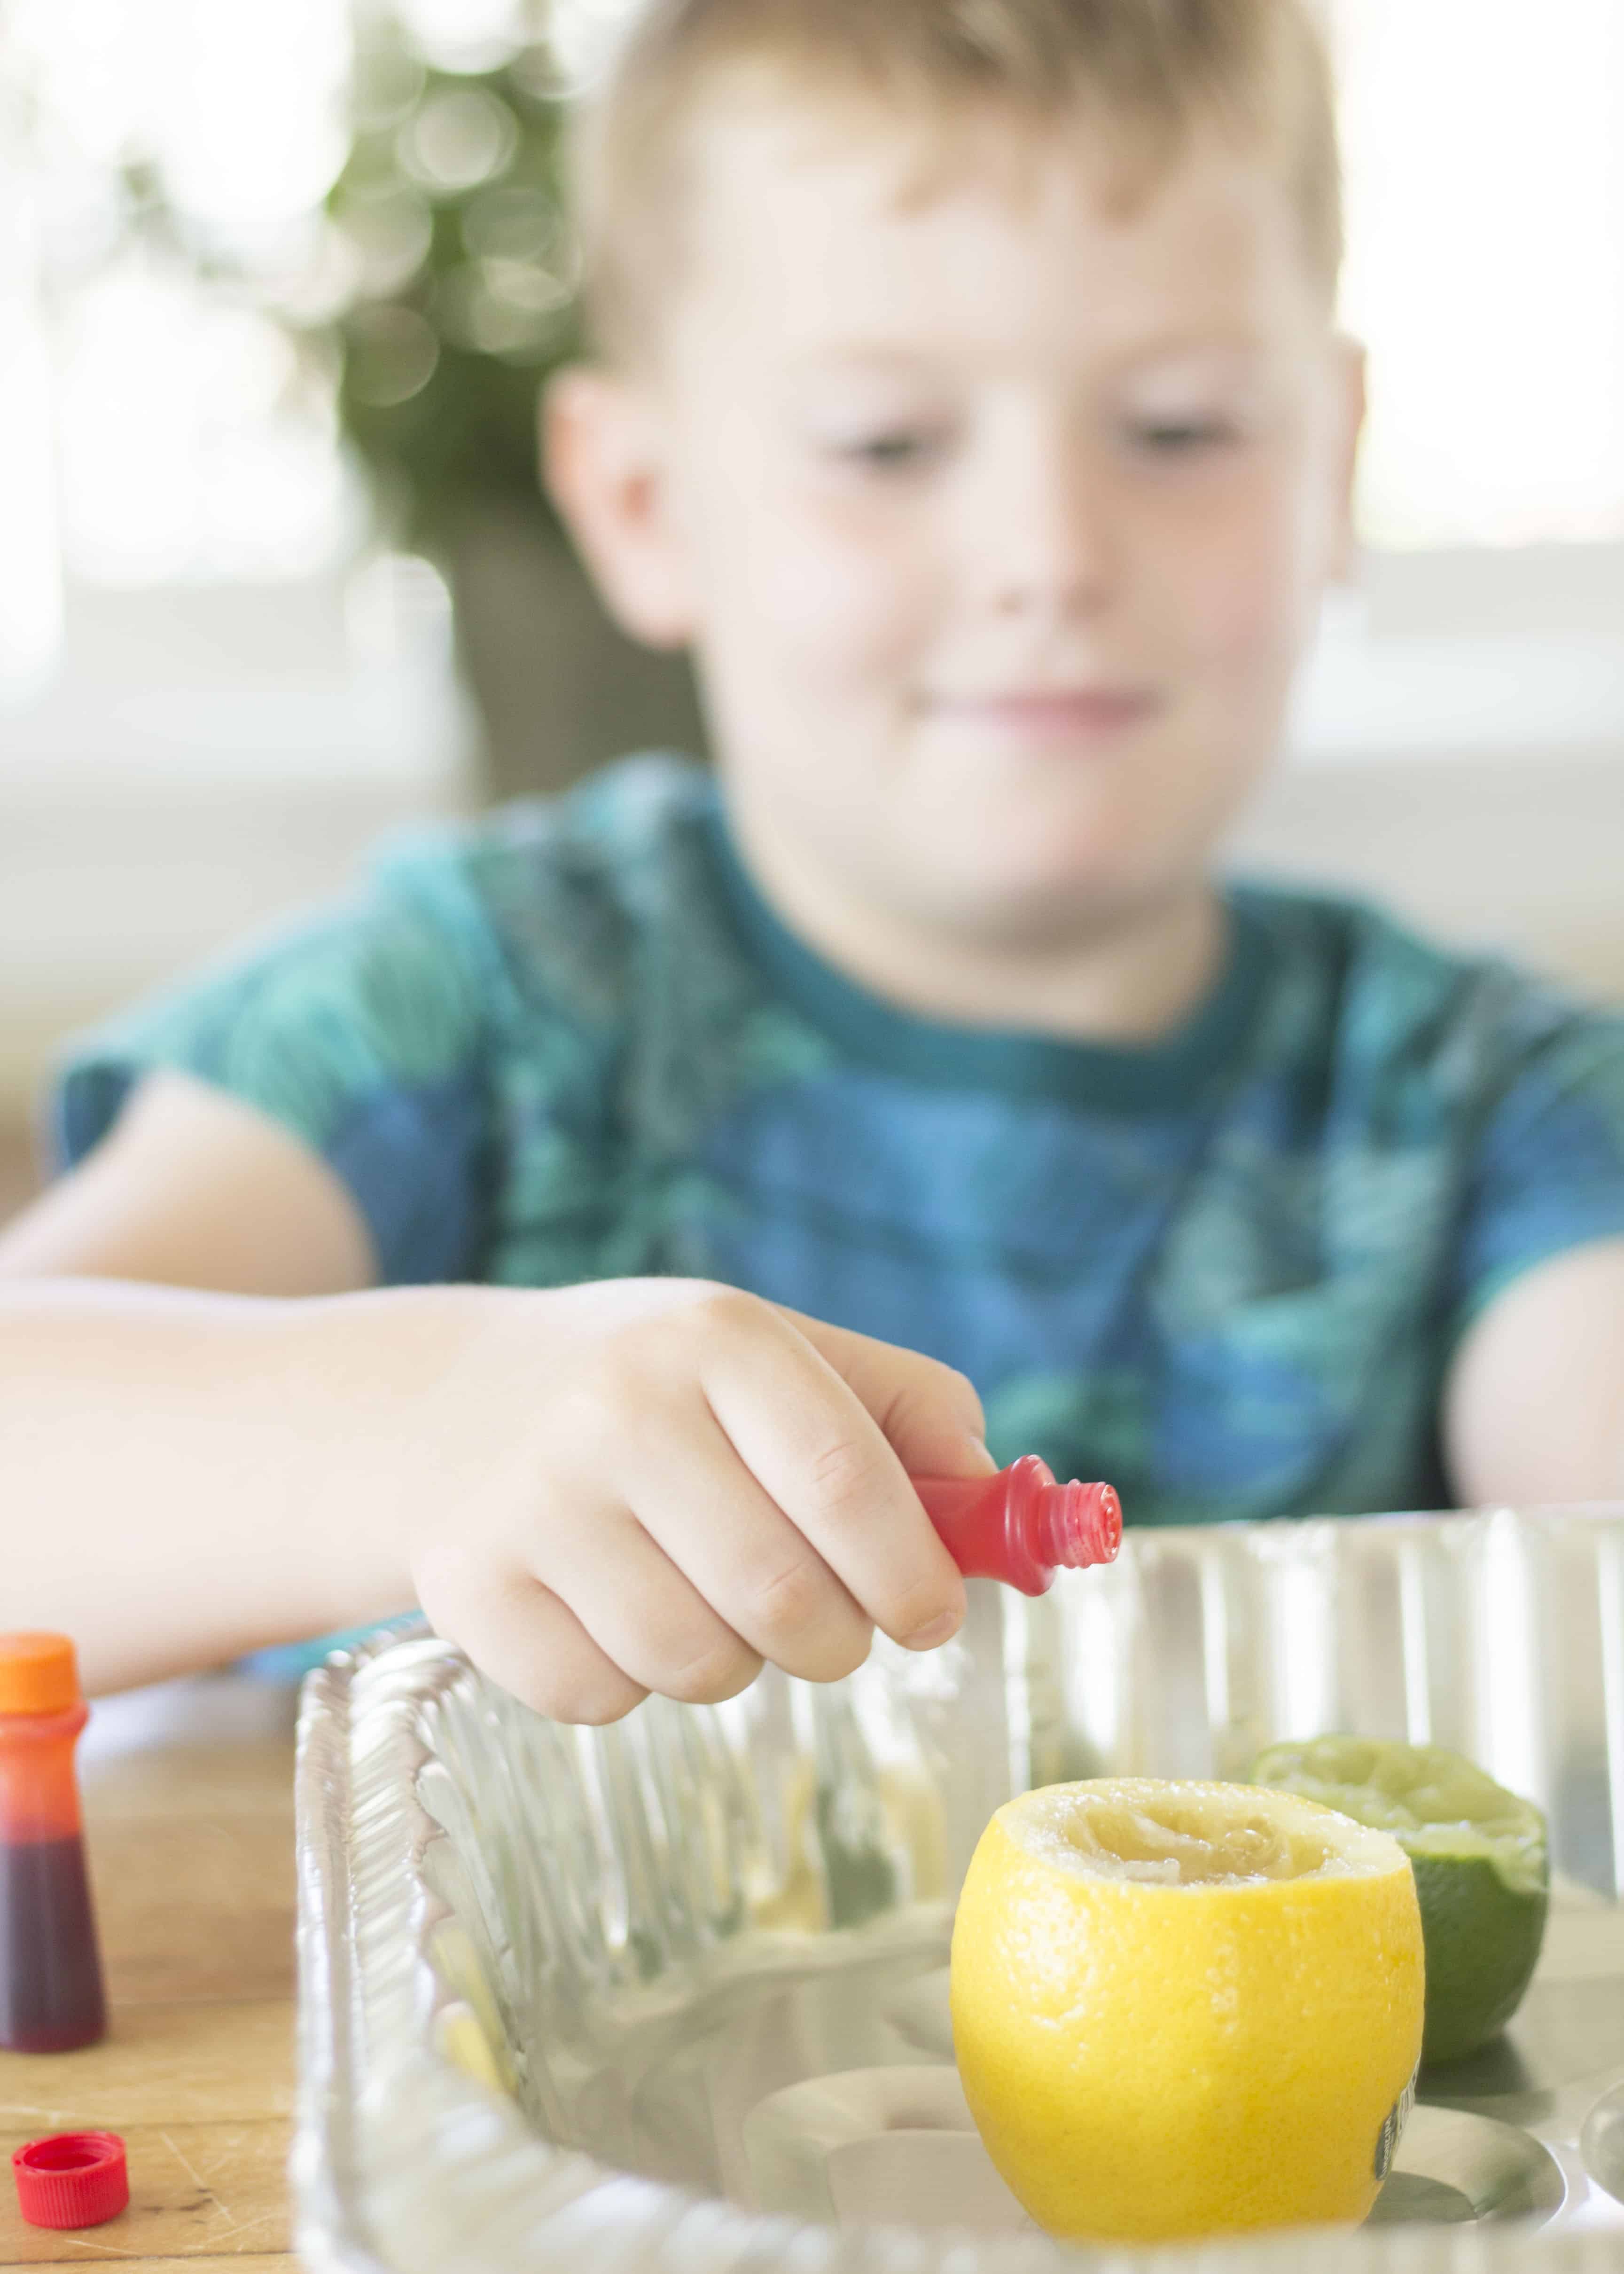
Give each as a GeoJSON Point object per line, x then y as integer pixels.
{"type": "Point", "coordinates": [603, 452]}
{"type": "Point", "coordinates": [1351, 403]}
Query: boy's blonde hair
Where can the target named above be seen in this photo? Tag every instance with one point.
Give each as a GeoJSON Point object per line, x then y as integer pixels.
{"type": "Point", "coordinates": [1144, 72]}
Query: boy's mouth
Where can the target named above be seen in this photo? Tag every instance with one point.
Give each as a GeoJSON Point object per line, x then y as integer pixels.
{"type": "Point", "coordinates": [1049, 715]}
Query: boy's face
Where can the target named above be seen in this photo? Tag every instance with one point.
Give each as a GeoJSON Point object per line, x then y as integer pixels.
{"type": "Point", "coordinates": [996, 518]}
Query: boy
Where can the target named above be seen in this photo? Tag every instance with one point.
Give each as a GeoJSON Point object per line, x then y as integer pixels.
{"type": "Point", "coordinates": [970, 403]}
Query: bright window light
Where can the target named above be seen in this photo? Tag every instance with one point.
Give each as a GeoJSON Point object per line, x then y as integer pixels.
{"type": "Point", "coordinates": [1485, 153]}
{"type": "Point", "coordinates": [189, 443]}
{"type": "Point", "coordinates": [1485, 147]}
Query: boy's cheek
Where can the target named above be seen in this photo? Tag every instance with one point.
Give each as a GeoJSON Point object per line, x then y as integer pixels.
{"type": "Point", "coordinates": [838, 615]}
{"type": "Point", "coordinates": [1242, 603]}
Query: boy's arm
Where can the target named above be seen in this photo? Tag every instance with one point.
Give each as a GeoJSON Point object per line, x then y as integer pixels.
{"type": "Point", "coordinates": [191, 1189]}
{"type": "Point", "coordinates": [162, 1455]}
{"type": "Point", "coordinates": [1533, 1407]}
{"type": "Point", "coordinates": [179, 1473]}
{"type": "Point", "coordinates": [599, 1490]}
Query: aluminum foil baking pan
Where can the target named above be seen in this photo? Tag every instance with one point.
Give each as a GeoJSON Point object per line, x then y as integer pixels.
{"type": "Point", "coordinates": [670, 1997]}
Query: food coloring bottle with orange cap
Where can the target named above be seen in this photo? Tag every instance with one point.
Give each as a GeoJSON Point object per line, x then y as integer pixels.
{"type": "Point", "coordinates": [50, 1971]}
{"type": "Point", "coordinates": [1021, 1527]}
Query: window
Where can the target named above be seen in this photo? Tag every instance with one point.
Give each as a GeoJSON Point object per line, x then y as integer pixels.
{"type": "Point", "coordinates": [1484, 146]}
{"type": "Point", "coordinates": [155, 429]}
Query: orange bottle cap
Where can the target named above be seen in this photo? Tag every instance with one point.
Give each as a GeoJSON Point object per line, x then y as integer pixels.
{"type": "Point", "coordinates": [39, 1674]}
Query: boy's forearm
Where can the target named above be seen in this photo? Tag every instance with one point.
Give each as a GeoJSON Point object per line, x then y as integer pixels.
{"type": "Point", "coordinates": [184, 1477]}
{"type": "Point", "coordinates": [1533, 1409]}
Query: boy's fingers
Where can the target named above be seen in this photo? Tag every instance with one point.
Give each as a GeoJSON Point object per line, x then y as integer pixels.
{"type": "Point", "coordinates": [931, 1415]}
{"type": "Point", "coordinates": [642, 1610]}
{"type": "Point", "coordinates": [823, 1457]}
{"type": "Point", "coordinates": [519, 1632]}
{"type": "Point", "coordinates": [761, 1574]}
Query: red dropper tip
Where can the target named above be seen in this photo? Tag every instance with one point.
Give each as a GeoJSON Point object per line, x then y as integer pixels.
{"type": "Point", "coordinates": [1021, 1527]}
{"type": "Point", "coordinates": [1081, 1525]}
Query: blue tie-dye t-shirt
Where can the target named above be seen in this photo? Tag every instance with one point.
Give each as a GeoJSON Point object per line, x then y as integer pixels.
{"type": "Point", "coordinates": [1227, 1270]}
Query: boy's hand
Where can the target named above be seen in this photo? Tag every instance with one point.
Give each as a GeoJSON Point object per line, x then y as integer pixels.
{"type": "Point", "coordinates": [598, 1491]}
{"type": "Point", "coordinates": [672, 1482]}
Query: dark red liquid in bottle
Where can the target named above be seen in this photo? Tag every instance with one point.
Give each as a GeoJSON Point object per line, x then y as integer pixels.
{"type": "Point", "coordinates": [50, 1971]}
{"type": "Point", "coordinates": [51, 1977]}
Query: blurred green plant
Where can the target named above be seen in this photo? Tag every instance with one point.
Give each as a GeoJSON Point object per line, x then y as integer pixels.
{"type": "Point", "coordinates": [428, 301]}
{"type": "Point", "coordinates": [452, 275]}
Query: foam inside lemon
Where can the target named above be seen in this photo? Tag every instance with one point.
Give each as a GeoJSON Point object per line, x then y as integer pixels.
{"type": "Point", "coordinates": [1181, 2009]}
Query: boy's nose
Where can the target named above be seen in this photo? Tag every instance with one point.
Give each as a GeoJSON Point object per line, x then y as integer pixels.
{"type": "Point", "coordinates": [1049, 549]}
{"type": "Point", "coordinates": [1056, 585]}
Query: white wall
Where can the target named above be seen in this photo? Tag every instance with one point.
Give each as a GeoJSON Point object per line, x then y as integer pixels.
{"type": "Point", "coordinates": [206, 762]}
{"type": "Point", "coordinates": [1522, 852]}
{"type": "Point", "coordinates": [1458, 751]}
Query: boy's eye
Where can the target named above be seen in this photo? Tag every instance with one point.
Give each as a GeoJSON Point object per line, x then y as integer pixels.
{"type": "Point", "coordinates": [1174, 438]}
{"type": "Point", "coordinates": [898, 451]}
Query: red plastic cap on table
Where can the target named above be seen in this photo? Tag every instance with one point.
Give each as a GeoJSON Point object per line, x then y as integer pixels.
{"type": "Point", "coordinates": [74, 2178]}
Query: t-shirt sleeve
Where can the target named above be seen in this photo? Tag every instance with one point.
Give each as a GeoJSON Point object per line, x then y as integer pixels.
{"type": "Point", "coordinates": [1548, 1170]}
{"type": "Point", "coordinates": [362, 1031]}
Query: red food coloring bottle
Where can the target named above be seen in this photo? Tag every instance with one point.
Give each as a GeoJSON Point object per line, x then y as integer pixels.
{"type": "Point", "coordinates": [1021, 1527]}
{"type": "Point", "coordinates": [51, 1970]}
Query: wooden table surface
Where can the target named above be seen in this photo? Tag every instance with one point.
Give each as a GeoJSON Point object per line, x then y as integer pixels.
{"type": "Point", "coordinates": [191, 1838]}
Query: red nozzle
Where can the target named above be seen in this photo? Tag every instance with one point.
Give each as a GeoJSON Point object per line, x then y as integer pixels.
{"type": "Point", "coordinates": [1081, 1525]}
{"type": "Point", "coordinates": [1021, 1527]}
